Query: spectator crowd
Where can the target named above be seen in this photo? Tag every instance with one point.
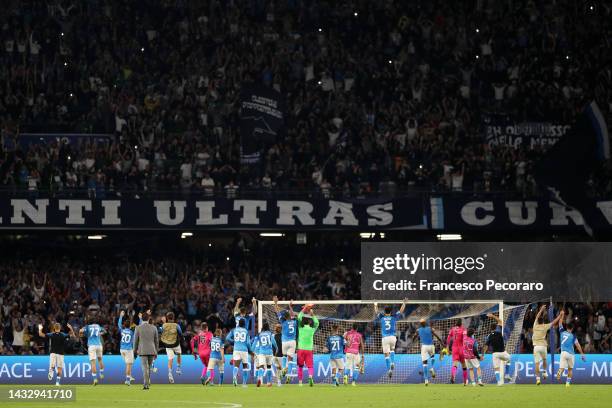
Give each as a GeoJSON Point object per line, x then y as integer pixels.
{"type": "Point", "coordinates": [381, 95]}
{"type": "Point", "coordinates": [70, 288]}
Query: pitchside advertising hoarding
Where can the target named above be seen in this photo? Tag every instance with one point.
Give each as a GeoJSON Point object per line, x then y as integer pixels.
{"type": "Point", "coordinates": [514, 272]}
{"type": "Point", "coordinates": [33, 369]}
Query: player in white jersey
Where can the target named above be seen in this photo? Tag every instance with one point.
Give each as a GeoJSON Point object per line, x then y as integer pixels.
{"type": "Point", "coordinates": [540, 349]}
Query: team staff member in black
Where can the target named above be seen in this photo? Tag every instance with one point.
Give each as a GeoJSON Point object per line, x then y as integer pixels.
{"type": "Point", "coordinates": [57, 346]}
{"type": "Point", "coordinates": [278, 353]}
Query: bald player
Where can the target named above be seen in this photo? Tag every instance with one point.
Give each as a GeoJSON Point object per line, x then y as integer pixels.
{"type": "Point", "coordinates": [426, 334]}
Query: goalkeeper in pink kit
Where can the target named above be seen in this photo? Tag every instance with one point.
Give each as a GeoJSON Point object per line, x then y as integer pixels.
{"type": "Point", "coordinates": [455, 338]}
{"type": "Point", "coordinates": [200, 343]}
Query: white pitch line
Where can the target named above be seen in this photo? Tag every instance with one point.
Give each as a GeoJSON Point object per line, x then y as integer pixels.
{"type": "Point", "coordinates": [200, 403]}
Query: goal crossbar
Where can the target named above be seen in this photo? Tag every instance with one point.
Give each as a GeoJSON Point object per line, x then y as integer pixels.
{"type": "Point", "coordinates": [262, 303]}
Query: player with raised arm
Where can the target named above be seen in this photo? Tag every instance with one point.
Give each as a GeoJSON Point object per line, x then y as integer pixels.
{"type": "Point", "coordinates": [426, 333]}
{"type": "Point", "coordinates": [540, 345]}
{"type": "Point", "coordinates": [289, 334]}
{"type": "Point", "coordinates": [200, 346]}
{"type": "Point", "coordinates": [495, 341]}
{"type": "Point", "coordinates": [307, 326]}
{"type": "Point", "coordinates": [265, 355]}
{"type": "Point", "coordinates": [126, 346]}
{"type": "Point", "coordinates": [335, 348]}
{"type": "Point", "coordinates": [354, 349]}
{"type": "Point", "coordinates": [241, 340]}
{"type": "Point", "coordinates": [94, 332]}
{"type": "Point", "coordinates": [388, 322]}
{"type": "Point", "coordinates": [454, 341]}
{"type": "Point", "coordinates": [568, 340]}
{"type": "Point", "coordinates": [57, 346]}
{"type": "Point", "coordinates": [170, 338]}
{"type": "Point", "coordinates": [217, 358]}
{"type": "Point", "coordinates": [472, 357]}
{"type": "Point", "coordinates": [240, 312]}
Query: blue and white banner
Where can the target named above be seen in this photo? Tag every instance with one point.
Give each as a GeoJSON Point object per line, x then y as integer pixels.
{"type": "Point", "coordinates": [33, 369]}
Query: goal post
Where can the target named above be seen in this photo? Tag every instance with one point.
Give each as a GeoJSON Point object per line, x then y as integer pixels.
{"type": "Point", "coordinates": [441, 314]}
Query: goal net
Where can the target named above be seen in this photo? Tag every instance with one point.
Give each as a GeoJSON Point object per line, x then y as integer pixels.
{"type": "Point", "coordinates": [408, 365]}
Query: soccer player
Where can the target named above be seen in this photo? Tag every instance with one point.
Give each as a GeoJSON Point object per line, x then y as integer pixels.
{"type": "Point", "coordinates": [200, 346]}
{"type": "Point", "coordinates": [388, 322]}
{"type": "Point", "coordinates": [57, 343]}
{"type": "Point", "coordinates": [289, 334]}
{"type": "Point", "coordinates": [240, 312]}
{"type": "Point", "coordinates": [265, 355]}
{"type": "Point", "coordinates": [426, 334]}
{"type": "Point", "coordinates": [240, 338]}
{"type": "Point", "coordinates": [170, 338]}
{"type": "Point", "coordinates": [278, 354]}
{"type": "Point", "coordinates": [126, 346]}
{"type": "Point", "coordinates": [568, 340]}
{"type": "Point", "coordinates": [94, 332]}
{"type": "Point", "coordinates": [540, 345]}
{"type": "Point", "coordinates": [217, 358]}
{"type": "Point", "coordinates": [495, 341]}
{"type": "Point", "coordinates": [354, 350]}
{"type": "Point", "coordinates": [472, 357]}
{"type": "Point", "coordinates": [335, 347]}
{"type": "Point", "coordinates": [307, 326]}
{"type": "Point", "coordinates": [455, 340]}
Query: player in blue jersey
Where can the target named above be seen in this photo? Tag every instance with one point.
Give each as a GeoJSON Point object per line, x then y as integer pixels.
{"type": "Point", "coordinates": [240, 338]}
{"type": "Point", "coordinates": [126, 346]}
{"type": "Point", "coordinates": [93, 332]}
{"type": "Point", "coordinates": [289, 335]}
{"type": "Point", "coordinates": [426, 334]}
{"type": "Point", "coordinates": [568, 340]}
{"type": "Point", "coordinates": [264, 355]}
{"type": "Point", "coordinates": [388, 321]}
{"type": "Point", "coordinates": [335, 347]}
{"type": "Point", "coordinates": [217, 358]}
{"type": "Point", "coordinates": [240, 313]}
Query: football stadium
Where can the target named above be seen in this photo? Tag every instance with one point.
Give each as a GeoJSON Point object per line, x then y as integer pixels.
{"type": "Point", "coordinates": [287, 203]}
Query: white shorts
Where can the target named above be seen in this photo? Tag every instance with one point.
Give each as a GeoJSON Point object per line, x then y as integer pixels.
{"type": "Point", "coordinates": [499, 357]}
{"type": "Point", "coordinates": [288, 348]}
{"type": "Point", "coordinates": [94, 352]}
{"type": "Point", "coordinates": [427, 351]}
{"type": "Point", "coordinates": [472, 363]}
{"type": "Point", "coordinates": [539, 353]}
{"type": "Point", "coordinates": [263, 360]}
{"type": "Point", "coordinates": [127, 356]}
{"type": "Point", "coordinates": [566, 360]}
{"type": "Point", "coordinates": [336, 363]}
{"type": "Point", "coordinates": [353, 360]}
{"type": "Point", "coordinates": [388, 344]}
{"type": "Point", "coordinates": [171, 351]}
{"type": "Point", "coordinates": [56, 360]}
{"type": "Point", "coordinates": [241, 356]}
{"type": "Point", "coordinates": [215, 362]}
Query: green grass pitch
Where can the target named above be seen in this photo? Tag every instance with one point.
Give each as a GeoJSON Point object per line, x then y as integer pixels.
{"type": "Point", "coordinates": [326, 396]}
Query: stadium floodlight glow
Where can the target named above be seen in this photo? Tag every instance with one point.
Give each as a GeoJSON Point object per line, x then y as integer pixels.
{"type": "Point", "coordinates": [271, 234]}
{"type": "Point", "coordinates": [355, 14]}
{"type": "Point", "coordinates": [449, 237]}
{"type": "Point", "coordinates": [96, 237]}
{"type": "Point", "coordinates": [186, 234]}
